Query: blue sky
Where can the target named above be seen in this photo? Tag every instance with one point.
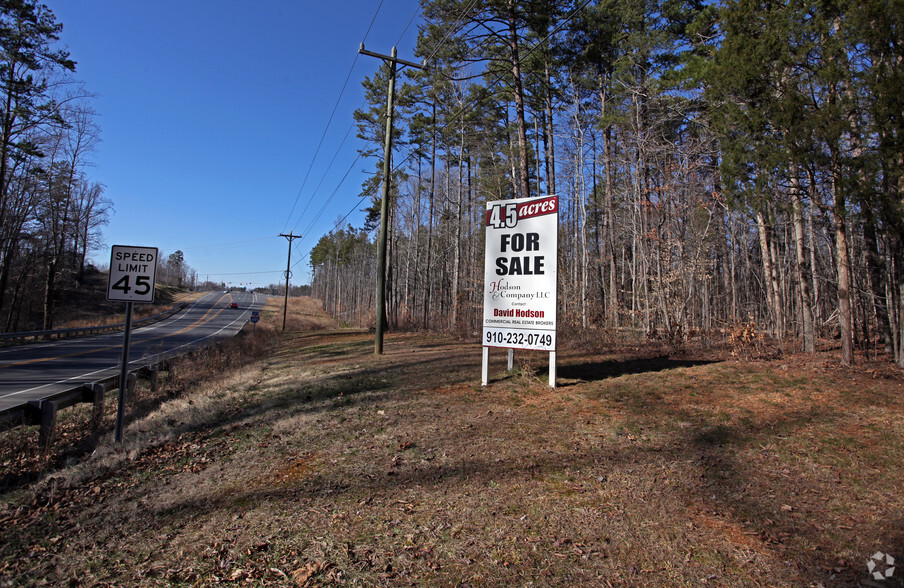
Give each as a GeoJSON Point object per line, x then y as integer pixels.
{"type": "Point", "coordinates": [211, 113]}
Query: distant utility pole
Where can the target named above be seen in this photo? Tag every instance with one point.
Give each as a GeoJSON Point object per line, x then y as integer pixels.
{"type": "Point", "coordinates": [290, 236]}
{"type": "Point", "coordinates": [394, 64]}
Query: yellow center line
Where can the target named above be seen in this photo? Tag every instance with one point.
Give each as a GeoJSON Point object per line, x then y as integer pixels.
{"type": "Point", "coordinates": [206, 318]}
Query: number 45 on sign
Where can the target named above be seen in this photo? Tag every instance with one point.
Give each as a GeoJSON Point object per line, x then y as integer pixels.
{"type": "Point", "coordinates": [132, 272]}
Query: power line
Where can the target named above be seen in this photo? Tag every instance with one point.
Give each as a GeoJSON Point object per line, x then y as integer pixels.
{"type": "Point", "coordinates": [451, 29]}
{"type": "Point", "coordinates": [353, 208]}
{"type": "Point", "coordinates": [310, 200]}
{"type": "Point", "coordinates": [320, 143]}
{"type": "Point", "coordinates": [322, 208]}
{"type": "Point", "coordinates": [380, 5]}
{"type": "Point", "coordinates": [323, 177]}
{"type": "Point", "coordinates": [196, 247]}
{"type": "Point", "coordinates": [332, 194]}
{"type": "Point", "coordinates": [461, 111]}
{"type": "Point", "coordinates": [200, 273]}
{"type": "Point", "coordinates": [499, 76]}
{"type": "Point", "coordinates": [365, 196]}
{"type": "Point", "coordinates": [395, 168]}
{"type": "Point", "coordinates": [411, 20]}
{"type": "Point", "coordinates": [329, 122]}
{"type": "Point", "coordinates": [453, 118]}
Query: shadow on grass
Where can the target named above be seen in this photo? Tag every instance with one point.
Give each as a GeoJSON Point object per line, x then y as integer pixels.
{"type": "Point", "coordinates": [781, 510]}
{"type": "Point", "coordinates": [751, 505]}
{"type": "Point", "coordinates": [602, 370]}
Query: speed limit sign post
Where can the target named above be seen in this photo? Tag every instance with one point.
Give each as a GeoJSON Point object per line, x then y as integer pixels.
{"type": "Point", "coordinates": [132, 274]}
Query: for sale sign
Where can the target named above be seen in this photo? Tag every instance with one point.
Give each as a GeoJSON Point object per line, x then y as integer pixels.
{"type": "Point", "coordinates": [132, 273]}
{"type": "Point", "coordinates": [519, 309]}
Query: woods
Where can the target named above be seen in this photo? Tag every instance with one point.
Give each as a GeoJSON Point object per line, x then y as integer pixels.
{"type": "Point", "coordinates": [50, 210]}
{"type": "Point", "coordinates": [719, 166]}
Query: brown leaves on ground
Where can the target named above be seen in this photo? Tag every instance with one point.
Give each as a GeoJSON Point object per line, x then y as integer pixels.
{"type": "Point", "coordinates": [306, 575]}
{"type": "Point", "coordinates": [323, 465]}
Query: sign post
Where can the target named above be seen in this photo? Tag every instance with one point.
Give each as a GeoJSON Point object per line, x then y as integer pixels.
{"type": "Point", "coordinates": [132, 274]}
{"type": "Point", "coordinates": [520, 278]}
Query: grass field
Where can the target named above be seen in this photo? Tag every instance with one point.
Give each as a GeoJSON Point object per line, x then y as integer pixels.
{"type": "Point", "coordinates": [319, 464]}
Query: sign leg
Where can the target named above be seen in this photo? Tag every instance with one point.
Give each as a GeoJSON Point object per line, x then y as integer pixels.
{"type": "Point", "coordinates": [123, 379]}
{"type": "Point", "coordinates": [552, 369]}
{"type": "Point", "coordinates": [485, 367]}
{"type": "Point", "coordinates": [511, 359]}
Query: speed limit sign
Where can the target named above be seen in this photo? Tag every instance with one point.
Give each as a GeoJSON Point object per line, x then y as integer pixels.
{"type": "Point", "coordinates": [132, 272]}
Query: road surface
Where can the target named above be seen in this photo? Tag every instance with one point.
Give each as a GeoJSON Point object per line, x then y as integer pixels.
{"type": "Point", "coordinates": [33, 372]}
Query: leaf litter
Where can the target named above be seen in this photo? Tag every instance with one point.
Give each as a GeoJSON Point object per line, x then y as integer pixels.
{"type": "Point", "coordinates": [322, 465]}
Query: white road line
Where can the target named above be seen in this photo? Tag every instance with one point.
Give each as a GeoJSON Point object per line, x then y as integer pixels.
{"type": "Point", "coordinates": [131, 362]}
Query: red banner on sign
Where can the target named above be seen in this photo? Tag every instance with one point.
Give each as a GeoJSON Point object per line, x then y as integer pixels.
{"type": "Point", "coordinates": [524, 210]}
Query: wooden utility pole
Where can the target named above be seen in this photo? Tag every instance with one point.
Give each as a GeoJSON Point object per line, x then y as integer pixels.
{"type": "Point", "coordinates": [394, 63]}
{"type": "Point", "coordinates": [290, 236]}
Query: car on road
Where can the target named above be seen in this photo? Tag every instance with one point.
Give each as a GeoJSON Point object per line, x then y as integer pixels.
{"type": "Point", "coordinates": [234, 305]}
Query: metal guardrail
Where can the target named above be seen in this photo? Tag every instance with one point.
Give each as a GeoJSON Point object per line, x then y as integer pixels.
{"type": "Point", "coordinates": [25, 336]}
{"type": "Point", "coordinates": [43, 412]}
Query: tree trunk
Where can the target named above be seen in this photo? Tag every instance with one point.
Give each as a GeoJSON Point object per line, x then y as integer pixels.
{"type": "Point", "coordinates": [875, 269]}
{"type": "Point", "coordinates": [429, 266]}
{"type": "Point", "coordinates": [456, 235]}
{"type": "Point", "coordinates": [551, 149]}
{"type": "Point", "coordinates": [524, 170]}
{"type": "Point", "coordinates": [772, 294]}
{"type": "Point", "coordinates": [609, 239]}
{"type": "Point", "coordinates": [811, 240]}
{"type": "Point", "coordinates": [845, 310]}
{"type": "Point", "coordinates": [801, 269]}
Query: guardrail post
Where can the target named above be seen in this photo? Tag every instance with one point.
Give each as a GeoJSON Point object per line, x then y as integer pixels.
{"type": "Point", "coordinates": [48, 423]}
{"type": "Point", "coordinates": [97, 416]}
{"type": "Point", "coordinates": [131, 382]}
{"type": "Point", "coordinates": [154, 372]}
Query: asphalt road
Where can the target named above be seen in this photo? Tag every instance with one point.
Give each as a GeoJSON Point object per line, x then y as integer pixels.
{"type": "Point", "coordinates": [33, 372]}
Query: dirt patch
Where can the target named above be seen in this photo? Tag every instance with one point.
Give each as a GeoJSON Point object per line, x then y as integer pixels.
{"type": "Point", "coordinates": [322, 464]}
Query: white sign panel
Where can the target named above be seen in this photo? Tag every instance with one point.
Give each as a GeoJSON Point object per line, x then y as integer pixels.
{"type": "Point", "coordinates": [519, 300]}
{"type": "Point", "coordinates": [132, 273]}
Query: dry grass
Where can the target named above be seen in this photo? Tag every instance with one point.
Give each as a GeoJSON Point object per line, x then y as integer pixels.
{"type": "Point", "coordinates": [303, 314]}
{"type": "Point", "coordinates": [22, 461]}
{"type": "Point", "coordinates": [320, 464]}
{"type": "Point", "coordinates": [88, 307]}
{"type": "Point", "coordinates": [138, 313]}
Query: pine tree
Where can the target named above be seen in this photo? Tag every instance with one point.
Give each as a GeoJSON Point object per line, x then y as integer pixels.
{"type": "Point", "coordinates": [28, 62]}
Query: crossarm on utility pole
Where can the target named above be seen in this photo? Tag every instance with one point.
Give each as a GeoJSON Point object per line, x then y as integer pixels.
{"type": "Point", "coordinates": [392, 57]}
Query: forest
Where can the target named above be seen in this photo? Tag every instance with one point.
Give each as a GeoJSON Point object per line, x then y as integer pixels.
{"type": "Point", "coordinates": [720, 166]}
{"type": "Point", "coordinates": [51, 211]}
